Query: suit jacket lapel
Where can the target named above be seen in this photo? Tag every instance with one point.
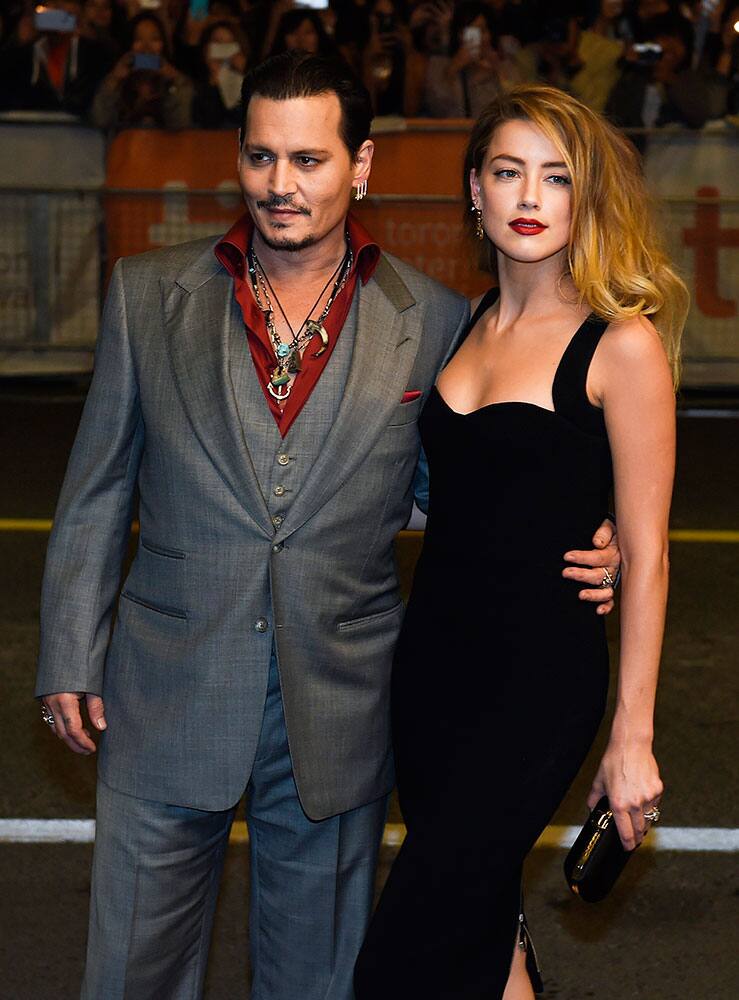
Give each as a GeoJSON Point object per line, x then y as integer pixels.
{"type": "Point", "coordinates": [201, 317]}
{"type": "Point", "coordinates": [388, 333]}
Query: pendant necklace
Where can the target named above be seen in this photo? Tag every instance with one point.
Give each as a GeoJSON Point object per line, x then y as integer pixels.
{"type": "Point", "coordinates": [287, 356]}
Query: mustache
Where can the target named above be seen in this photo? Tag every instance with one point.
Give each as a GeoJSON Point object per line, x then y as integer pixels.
{"type": "Point", "coordinates": [277, 201]}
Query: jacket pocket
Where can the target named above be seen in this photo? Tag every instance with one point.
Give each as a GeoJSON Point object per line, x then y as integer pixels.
{"type": "Point", "coordinates": [160, 550]}
{"type": "Point", "coordinates": [369, 619]}
{"type": "Point", "coordinates": [157, 609]}
{"type": "Point", "coordinates": [406, 413]}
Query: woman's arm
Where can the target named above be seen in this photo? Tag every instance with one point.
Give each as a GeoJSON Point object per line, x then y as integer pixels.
{"type": "Point", "coordinates": [630, 376]}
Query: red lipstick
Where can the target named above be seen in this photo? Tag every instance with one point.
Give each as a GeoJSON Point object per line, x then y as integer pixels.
{"type": "Point", "coordinates": [527, 227]}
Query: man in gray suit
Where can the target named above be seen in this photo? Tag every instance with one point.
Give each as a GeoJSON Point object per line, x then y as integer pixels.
{"type": "Point", "coordinates": [263, 398]}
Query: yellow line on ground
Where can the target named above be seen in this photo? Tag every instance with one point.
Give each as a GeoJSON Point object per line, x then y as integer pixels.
{"type": "Point", "coordinates": [689, 535]}
{"type": "Point", "coordinates": [21, 524]}
{"type": "Point", "coordinates": [677, 535]}
{"type": "Point", "coordinates": [24, 524]}
{"type": "Point", "coordinates": [34, 524]}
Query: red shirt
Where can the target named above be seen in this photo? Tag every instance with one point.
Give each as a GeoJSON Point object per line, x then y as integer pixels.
{"type": "Point", "coordinates": [231, 252]}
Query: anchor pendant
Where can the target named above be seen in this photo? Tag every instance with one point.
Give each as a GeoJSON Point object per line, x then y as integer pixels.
{"type": "Point", "coordinates": [317, 330]}
{"type": "Point", "coordinates": [280, 392]}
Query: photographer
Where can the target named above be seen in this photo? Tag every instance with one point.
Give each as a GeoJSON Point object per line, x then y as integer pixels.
{"type": "Point", "coordinates": [460, 84]}
{"type": "Point", "coordinates": [51, 67]}
{"type": "Point", "coordinates": [658, 87]}
{"type": "Point", "coordinates": [144, 88]}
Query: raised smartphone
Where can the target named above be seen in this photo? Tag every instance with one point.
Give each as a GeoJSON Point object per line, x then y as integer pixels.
{"type": "Point", "coordinates": [54, 19]}
{"type": "Point", "coordinates": [146, 60]}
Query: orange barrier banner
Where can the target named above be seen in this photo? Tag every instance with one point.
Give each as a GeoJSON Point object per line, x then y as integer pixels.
{"type": "Point", "coordinates": [420, 165]}
{"type": "Point", "coordinates": [414, 210]}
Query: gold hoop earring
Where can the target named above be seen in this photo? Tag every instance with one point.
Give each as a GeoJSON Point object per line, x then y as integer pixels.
{"type": "Point", "coordinates": [360, 191]}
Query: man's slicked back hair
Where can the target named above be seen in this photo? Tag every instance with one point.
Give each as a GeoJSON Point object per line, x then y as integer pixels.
{"type": "Point", "coordinates": [300, 74]}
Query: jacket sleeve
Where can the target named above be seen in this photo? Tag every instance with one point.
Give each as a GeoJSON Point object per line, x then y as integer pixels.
{"type": "Point", "coordinates": [421, 478]}
{"type": "Point", "coordinates": [93, 517]}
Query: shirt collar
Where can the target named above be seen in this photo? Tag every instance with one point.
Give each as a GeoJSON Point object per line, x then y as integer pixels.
{"type": "Point", "coordinates": [232, 248]}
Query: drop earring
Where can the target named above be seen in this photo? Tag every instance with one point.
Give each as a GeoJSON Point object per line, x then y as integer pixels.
{"type": "Point", "coordinates": [360, 190]}
{"type": "Point", "coordinates": [479, 231]}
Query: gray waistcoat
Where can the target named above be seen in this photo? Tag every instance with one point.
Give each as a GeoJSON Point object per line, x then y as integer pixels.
{"type": "Point", "coordinates": [280, 483]}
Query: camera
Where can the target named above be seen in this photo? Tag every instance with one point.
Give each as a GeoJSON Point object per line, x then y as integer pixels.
{"type": "Point", "coordinates": [647, 53]}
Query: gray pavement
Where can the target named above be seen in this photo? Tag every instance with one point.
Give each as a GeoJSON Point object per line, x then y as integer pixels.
{"type": "Point", "coordinates": [664, 934]}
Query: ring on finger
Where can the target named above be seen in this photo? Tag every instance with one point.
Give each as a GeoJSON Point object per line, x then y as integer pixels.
{"type": "Point", "coordinates": [47, 716]}
{"type": "Point", "coordinates": [607, 580]}
{"type": "Point", "coordinates": [652, 814]}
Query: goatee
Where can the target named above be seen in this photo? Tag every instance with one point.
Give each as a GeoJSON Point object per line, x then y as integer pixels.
{"type": "Point", "coordinates": [291, 246]}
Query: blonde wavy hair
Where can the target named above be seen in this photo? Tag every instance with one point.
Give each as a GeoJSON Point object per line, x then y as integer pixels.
{"type": "Point", "coordinates": [616, 258]}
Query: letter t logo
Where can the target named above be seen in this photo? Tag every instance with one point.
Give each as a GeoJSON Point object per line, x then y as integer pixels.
{"type": "Point", "coordinates": [706, 239]}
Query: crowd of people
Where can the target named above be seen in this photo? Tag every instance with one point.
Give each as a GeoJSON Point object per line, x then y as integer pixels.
{"type": "Point", "coordinates": [174, 64]}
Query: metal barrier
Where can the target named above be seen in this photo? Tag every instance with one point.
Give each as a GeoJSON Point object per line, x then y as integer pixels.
{"type": "Point", "coordinates": [57, 243]}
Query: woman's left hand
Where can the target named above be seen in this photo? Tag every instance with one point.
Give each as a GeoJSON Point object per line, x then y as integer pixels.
{"type": "Point", "coordinates": [629, 776]}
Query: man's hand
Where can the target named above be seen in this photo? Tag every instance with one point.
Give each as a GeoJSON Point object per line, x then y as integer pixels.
{"type": "Point", "coordinates": [68, 719]}
{"type": "Point", "coordinates": [593, 565]}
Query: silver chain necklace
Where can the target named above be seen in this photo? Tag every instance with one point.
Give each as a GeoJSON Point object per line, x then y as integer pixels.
{"type": "Point", "coordinates": [287, 356]}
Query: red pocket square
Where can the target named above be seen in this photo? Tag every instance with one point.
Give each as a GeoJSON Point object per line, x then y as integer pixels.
{"type": "Point", "coordinates": [412, 394]}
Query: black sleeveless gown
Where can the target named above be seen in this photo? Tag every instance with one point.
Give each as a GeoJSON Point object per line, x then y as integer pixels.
{"type": "Point", "coordinates": [499, 684]}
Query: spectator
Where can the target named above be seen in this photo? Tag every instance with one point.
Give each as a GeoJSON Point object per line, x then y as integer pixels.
{"type": "Point", "coordinates": [222, 64]}
{"type": "Point", "coordinates": [646, 16]}
{"type": "Point", "coordinates": [384, 57]}
{"type": "Point", "coordinates": [555, 51]}
{"type": "Point", "coordinates": [55, 69]}
{"type": "Point", "coordinates": [429, 26]}
{"type": "Point", "coordinates": [144, 88]}
{"type": "Point", "coordinates": [599, 51]}
{"type": "Point", "coordinates": [98, 24]}
{"type": "Point", "coordinates": [657, 86]}
{"type": "Point", "coordinates": [460, 84]}
{"type": "Point", "coordinates": [302, 29]}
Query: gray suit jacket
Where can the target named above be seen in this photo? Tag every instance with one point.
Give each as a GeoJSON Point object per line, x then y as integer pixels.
{"type": "Point", "coordinates": [214, 583]}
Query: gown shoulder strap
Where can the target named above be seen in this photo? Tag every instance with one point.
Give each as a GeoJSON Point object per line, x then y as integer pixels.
{"type": "Point", "coordinates": [569, 391]}
{"type": "Point", "coordinates": [490, 296]}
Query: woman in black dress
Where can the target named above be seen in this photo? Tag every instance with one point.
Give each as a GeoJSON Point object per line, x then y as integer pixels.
{"type": "Point", "coordinates": [561, 390]}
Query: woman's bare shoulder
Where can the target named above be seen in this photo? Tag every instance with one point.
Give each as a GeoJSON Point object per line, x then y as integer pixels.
{"type": "Point", "coordinates": [633, 340]}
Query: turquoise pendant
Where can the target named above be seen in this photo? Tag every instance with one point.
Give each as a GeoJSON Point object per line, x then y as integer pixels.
{"type": "Point", "coordinates": [283, 350]}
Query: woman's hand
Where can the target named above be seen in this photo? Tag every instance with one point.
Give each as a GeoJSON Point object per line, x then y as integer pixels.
{"type": "Point", "coordinates": [168, 71]}
{"type": "Point", "coordinates": [238, 63]}
{"type": "Point", "coordinates": [629, 776]}
{"type": "Point", "coordinates": [121, 70]}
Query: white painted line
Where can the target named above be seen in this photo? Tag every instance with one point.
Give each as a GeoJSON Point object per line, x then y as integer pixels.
{"type": "Point", "coordinates": [47, 831]}
{"type": "Point", "coordinates": [708, 414]}
{"type": "Point", "coordinates": [666, 838]}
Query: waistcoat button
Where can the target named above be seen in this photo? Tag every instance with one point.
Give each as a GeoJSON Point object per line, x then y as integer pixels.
{"type": "Point", "coordinates": [283, 459]}
{"type": "Point", "coordinates": [261, 625]}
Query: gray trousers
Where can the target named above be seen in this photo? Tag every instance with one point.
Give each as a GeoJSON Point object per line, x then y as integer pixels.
{"type": "Point", "coordinates": [156, 873]}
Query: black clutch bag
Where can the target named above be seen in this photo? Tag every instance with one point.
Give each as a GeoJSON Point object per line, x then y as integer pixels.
{"type": "Point", "coordinates": [597, 857]}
